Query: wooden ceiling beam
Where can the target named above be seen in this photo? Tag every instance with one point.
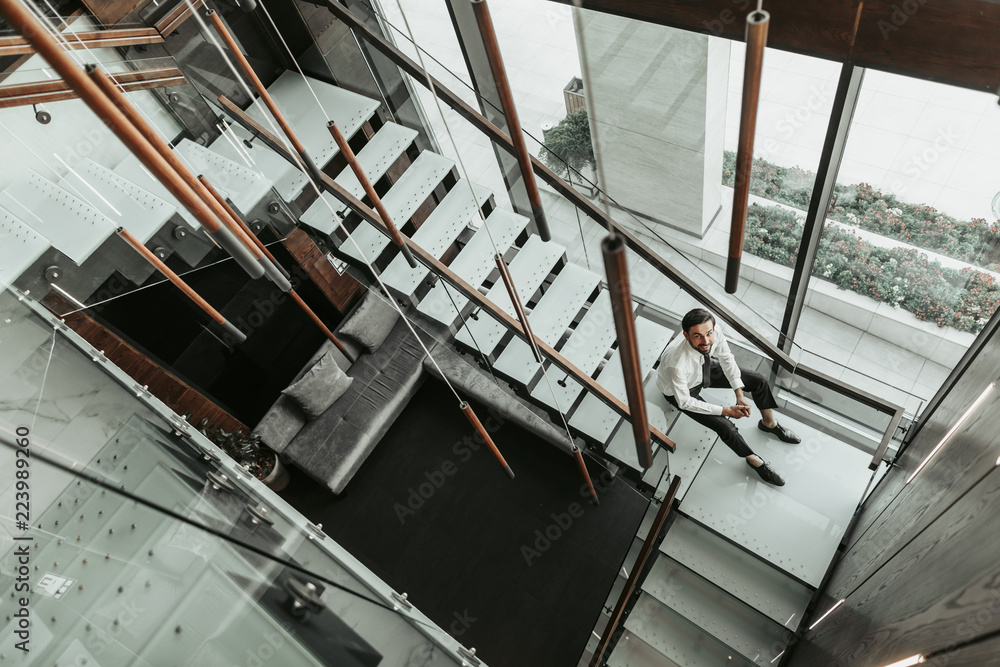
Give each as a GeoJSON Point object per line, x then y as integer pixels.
{"type": "Point", "coordinates": [94, 39]}
{"type": "Point", "coordinates": [950, 42]}
{"type": "Point", "coordinates": [40, 92]}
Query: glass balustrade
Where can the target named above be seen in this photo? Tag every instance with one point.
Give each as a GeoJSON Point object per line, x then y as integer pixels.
{"type": "Point", "coordinates": [140, 540]}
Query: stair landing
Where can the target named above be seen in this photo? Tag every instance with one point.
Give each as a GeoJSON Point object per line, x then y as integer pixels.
{"type": "Point", "coordinates": [796, 527]}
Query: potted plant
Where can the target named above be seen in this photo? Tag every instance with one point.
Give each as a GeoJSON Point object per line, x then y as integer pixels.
{"type": "Point", "coordinates": [258, 459]}
{"type": "Point", "coordinates": [568, 148]}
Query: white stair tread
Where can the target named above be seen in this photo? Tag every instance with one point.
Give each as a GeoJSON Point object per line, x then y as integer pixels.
{"type": "Point", "coordinates": [694, 441]}
{"type": "Point", "coordinates": [132, 169]}
{"type": "Point", "coordinates": [528, 270]}
{"type": "Point", "coordinates": [712, 609]}
{"type": "Point", "coordinates": [586, 347]}
{"type": "Point", "coordinates": [120, 200]}
{"type": "Point", "coordinates": [772, 593]}
{"type": "Point", "coordinates": [631, 651]}
{"type": "Point", "coordinates": [439, 231]}
{"type": "Point", "coordinates": [375, 158]}
{"type": "Point", "coordinates": [473, 264]}
{"type": "Point", "coordinates": [258, 157]}
{"type": "Point", "coordinates": [797, 527]}
{"type": "Point", "coordinates": [234, 181]}
{"type": "Point", "coordinates": [402, 201]}
{"type": "Point", "coordinates": [622, 445]}
{"type": "Point", "coordinates": [550, 317]}
{"type": "Point", "coordinates": [676, 638]}
{"type": "Point", "coordinates": [291, 93]}
{"type": "Point", "coordinates": [20, 246]}
{"type": "Point", "coordinates": [74, 227]}
{"type": "Point", "coordinates": [593, 416]}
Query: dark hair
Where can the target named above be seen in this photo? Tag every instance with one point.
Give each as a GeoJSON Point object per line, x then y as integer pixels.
{"type": "Point", "coordinates": [696, 317]}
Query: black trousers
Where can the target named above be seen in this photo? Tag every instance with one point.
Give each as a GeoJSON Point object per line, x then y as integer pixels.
{"type": "Point", "coordinates": [754, 384]}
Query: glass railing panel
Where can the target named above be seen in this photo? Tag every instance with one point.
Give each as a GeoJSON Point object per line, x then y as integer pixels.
{"type": "Point", "coordinates": [145, 533]}
{"type": "Point", "coordinates": [908, 255]}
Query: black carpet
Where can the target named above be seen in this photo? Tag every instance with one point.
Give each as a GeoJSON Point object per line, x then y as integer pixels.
{"type": "Point", "coordinates": [518, 569]}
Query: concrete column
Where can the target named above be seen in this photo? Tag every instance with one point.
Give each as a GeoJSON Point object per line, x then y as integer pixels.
{"type": "Point", "coordinates": [659, 95]}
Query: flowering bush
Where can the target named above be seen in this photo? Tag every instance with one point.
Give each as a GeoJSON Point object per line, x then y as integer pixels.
{"type": "Point", "coordinates": [975, 241]}
{"type": "Point", "coordinates": [901, 277]}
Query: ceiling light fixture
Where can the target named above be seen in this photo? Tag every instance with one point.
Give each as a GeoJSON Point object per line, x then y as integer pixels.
{"type": "Point", "coordinates": [907, 662]}
{"type": "Point", "coordinates": [951, 432]}
{"type": "Point", "coordinates": [820, 619]}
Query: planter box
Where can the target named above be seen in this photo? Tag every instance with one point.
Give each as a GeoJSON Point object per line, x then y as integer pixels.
{"type": "Point", "coordinates": [573, 95]}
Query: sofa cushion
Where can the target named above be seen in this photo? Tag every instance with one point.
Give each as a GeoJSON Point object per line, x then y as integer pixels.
{"type": "Point", "coordinates": [281, 424]}
{"type": "Point", "coordinates": [371, 323]}
{"type": "Point", "coordinates": [322, 384]}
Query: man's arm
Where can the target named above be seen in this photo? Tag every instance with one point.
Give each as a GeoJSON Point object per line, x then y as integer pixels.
{"type": "Point", "coordinates": [685, 401]}
{"type": "Point", "coordinates": [728, 363]}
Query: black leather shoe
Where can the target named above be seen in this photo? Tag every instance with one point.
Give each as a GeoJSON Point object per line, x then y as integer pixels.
{"type": "Point", "coordinates": [783, 433]}
{"type": "Point", "coordinates": [767, 474]}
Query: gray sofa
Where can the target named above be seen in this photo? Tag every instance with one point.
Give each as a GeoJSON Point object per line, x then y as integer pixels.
{"type": "Point", "coordinates": [331, 446]}
{"type": "Point", "coordinates": [332, 442]}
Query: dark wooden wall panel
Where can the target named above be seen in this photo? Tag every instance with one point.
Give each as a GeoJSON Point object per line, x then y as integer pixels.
{"type": "Point", "coordinates": [977, 655]}
{"type": "Point", "coordinates": [174, 392]}
{"type": "Point", "coordinates": [965, 458]}
{"type": "Point", "coordinates": [952, 42]}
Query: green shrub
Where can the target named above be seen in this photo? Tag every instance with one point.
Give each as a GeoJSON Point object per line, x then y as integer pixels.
{"type": "Point", "coordinates": [975, 241]}
{"type": "Point", "coordinates": [901, 277]}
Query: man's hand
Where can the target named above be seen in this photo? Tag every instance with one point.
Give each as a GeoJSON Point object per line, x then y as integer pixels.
{"type": "Point", "coordinates": [743, 403]}
{"type": "Point", "coordinates": [736, 411]}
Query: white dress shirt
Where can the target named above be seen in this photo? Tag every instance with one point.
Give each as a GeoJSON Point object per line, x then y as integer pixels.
{"type": "Point", "coordinates": [681, 368]}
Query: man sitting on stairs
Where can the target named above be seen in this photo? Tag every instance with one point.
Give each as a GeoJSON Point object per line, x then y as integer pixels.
{"type": "Point", "coordinates": [702, 359]}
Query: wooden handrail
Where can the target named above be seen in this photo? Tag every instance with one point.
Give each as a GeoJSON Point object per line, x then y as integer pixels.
{"type": "Point", "coordinates": [95, 39]}
{"type": "Point", "coordinates": [176, 16]}
{"type": "Point", "coordinates": [258, 85]}
{"type": "Point", "coordinates": [40, 92]}
{"type": "Point", "coordinates": [776, 354]}
{"type": "Point", "coordinates": [637, 568]}
{"type": "Point", "coordinates": [443, 271]}
{"type": "Point", "coordinates": [757, 22]}
{"type": "Point", "coordinates": [168, 167]}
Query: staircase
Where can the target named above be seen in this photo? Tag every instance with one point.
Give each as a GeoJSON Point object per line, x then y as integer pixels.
{"type": "Point", "coordinates": [732, 578]}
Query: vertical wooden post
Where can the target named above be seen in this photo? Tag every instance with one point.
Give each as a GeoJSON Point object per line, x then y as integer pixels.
{"type": "Point", "coordinates": [633, 576]}
{"type": "Point", "coordinates": [616, 267]}
{"type": "Point", "coordinates": [265, 97]}
{"type": "Point", "coordinates": [578, 455]}
{"type": "Point", "coordinates": [180, 284]}
{"type": "Point", "coordinates": [757, 23]}
{"type": "Point", "coordinates": [485, 22]}
{"type": "Point", "coordinates": [478, 426]}
{"type": "Point", "coordinates": [515, 300]}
